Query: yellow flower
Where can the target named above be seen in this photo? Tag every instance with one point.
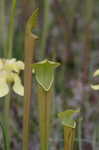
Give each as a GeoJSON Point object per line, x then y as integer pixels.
{"type": "Point", "coordinates": [9, 74]}
{"type": "Point", "coordinates": [13, 65]}
{"type": "Point", "coordinates": [95, 87]}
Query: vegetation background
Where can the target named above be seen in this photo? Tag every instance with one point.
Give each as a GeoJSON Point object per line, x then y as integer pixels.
{"type": "Point", "coordinates": [68, 33]}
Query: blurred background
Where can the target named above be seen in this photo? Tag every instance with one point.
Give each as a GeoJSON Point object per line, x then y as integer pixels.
{"type": "Point", "coordinates": [68, 33]}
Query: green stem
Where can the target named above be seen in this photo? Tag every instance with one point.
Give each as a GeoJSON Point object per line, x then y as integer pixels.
{"type": "Point", "coordinates": [7, 119]}
{"type": "Point", "coordinates": [80, 134]}
{"type": "Point", "coordinates": [9, 44]}
{"type": "Point", "coordinates": [3, 26]}
{"type": "Point", "coordinates": [69, 135]}
{"type": "Point", "coordinates": [4, 135]}
{"type": "Point", "coordinates": [44, 104]}
{"type": "Point", "coordinates": [94, 140]}
{"type": "Point", "coordinates": [45, 27]}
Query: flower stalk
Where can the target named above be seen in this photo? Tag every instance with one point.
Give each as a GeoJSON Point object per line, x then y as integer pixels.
{"type": "Point", "coordinates": [8, 54]}
{"type": "Point", "coordinates": [9, 78]}
{"type": "Point", "coordinates": [7, 119]}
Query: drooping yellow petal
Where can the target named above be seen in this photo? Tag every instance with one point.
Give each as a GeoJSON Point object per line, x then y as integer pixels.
{"type": "Point", "coordinates": [95, 87]}
{"type": "Point", "coordinates": [96, 73]}
{"type": "Point", "coordinates": [20, 65]}
{"type": "Point", "coordinates": [4, 89]}
{"type": "Point", "coordinates": [1, 64]}
{"type": "Point", "coordinates": [18, 87]}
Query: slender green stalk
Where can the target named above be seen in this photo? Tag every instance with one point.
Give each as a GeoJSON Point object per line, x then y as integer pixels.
{"type": "Point", "coordinates": [69, 135]}
{"type": "Point", "coordinates": [9, 44]}
{"type": "Point", "coordinates": [4, 135]}
{"type": "Point", "coordinates": [88, 13]}
{"type": "Point", "coordinates": [7, 119]}
{"type": "Point", "coordinates": [30, 41]}
{"type": "Point", "coordinates": [45, 27]}
{"type": "Point", "coordinates": [94, 140]}
{"type": "Point", "coordinates": [87, 38]}
{"type": "Point", "coordinates": [3, 25]}
{"type": "Point", "coordinates": [8, 54]}
{"type": "Point", "coordinates": [80, 134]}
{"type": "Point", "coordinates": [45, 108]}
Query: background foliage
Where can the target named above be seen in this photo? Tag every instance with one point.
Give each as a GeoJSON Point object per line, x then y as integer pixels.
{"type": "Point", "coordinates": [69, 33]}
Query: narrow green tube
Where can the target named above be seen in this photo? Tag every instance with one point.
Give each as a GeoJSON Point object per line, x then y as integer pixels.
{"type": "Point", "coordinates": [45, 109]}
{"type": "Point", "coordinates": [69, 135]}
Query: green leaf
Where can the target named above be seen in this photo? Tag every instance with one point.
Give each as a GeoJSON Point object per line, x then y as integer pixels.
{"type": "Point", "coordinates": [67, 117]}
{"type": "Point", "coordinates": [32, 21]}
{"type": "Point", "coordinates": [44, 72]}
